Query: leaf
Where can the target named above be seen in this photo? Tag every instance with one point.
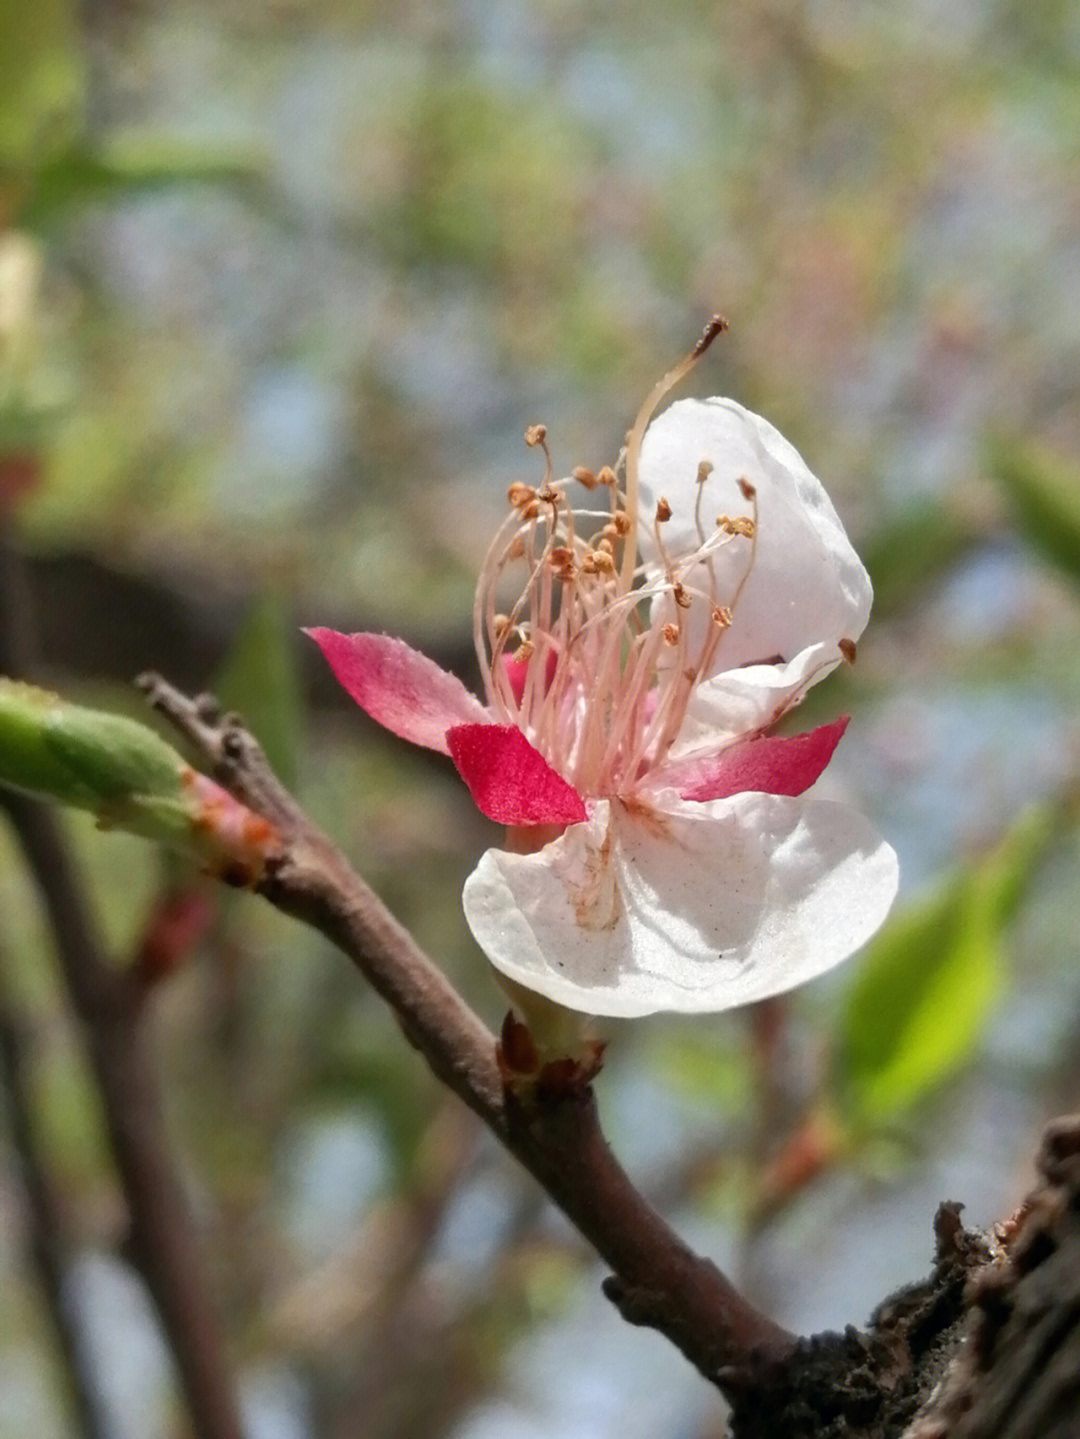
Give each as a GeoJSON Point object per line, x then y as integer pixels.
{"type": "Point", "coordinates": [260, 677]}
{"type": "Point", "coordinates": [928, 984]}
{"type": "Point", "coordinates": [79, 173]}
{"type": "Point", "coordinates": [912, 549]}
{"type": "Point", "coordinates": [42, 77]}
{"type": "Point", "coordinates": [1044, 493]}
{"type": "Point", "coordinates": [127, 777]}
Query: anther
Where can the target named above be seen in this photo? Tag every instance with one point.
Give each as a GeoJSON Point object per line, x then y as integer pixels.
{"type": "Point", "coordinates": [721, 617]}
{"type": "Point", "coordinates": [585, 476]}
{"type": "Point", "coordinates": [621, 520]}
{"type": "Point", "coordinates": [704, 470]}
{"type": "Point", "coordinates": [746, 489]}
{"type": "Point", "coordinates": [535, 435]}
{"type": "Point", "coordinates": [502, 626]}
{"type": "Point", "coordinates": [525, 651]}
{"type": "Point", "coordinates": [737, 525]}
{"type": "Point", "coordinates": [519, 495]}
{"type": "Point", "coordinates": [716, 326]}
{"type": "Point", "coordinates": [606, 544]}
{"type": "Point", "coordinates": [516, 548]}
{"type": "Point", "coordinates": [561, 558]}
{"type": "Point", "coordinates": [847, 649]}
{"type": "Point", "coordinates": [681, 598]}
{"type": "Point", "coordinates": [671, 634]}
{"type": "Point", "coordinates": [604, 563]}
{"type": "Point", "coordinates": [663, 511]}
{"type": "Point", "coordinates": [607, 476]}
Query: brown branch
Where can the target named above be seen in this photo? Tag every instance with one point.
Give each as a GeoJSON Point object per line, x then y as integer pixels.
{"type": "Point", "coordinates": [46, 1225]}
{"type": "Point", "coordinates": [163, 1241]}
{"type": "Point", "coordinates": [657, 1280]}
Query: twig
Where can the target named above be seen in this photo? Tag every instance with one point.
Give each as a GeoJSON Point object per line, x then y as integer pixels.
{"type": "Point", "coordinates": [164, 1244]}
{"type": "Point", "coordinates": [46, 1226]}
{"type": "Point", "coordinates": [657, 1280]}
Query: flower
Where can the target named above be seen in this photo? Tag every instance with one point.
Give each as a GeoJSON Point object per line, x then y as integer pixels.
{"type": "Point", "coordinates": [661, 852]}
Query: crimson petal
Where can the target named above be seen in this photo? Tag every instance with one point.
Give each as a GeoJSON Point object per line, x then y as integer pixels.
{"type": "Point", "coordinates": [511, 782]}
{"type": "Point", "coordinates": [770, 765]}
{"type": "Point", "coordinates": [399, 687]}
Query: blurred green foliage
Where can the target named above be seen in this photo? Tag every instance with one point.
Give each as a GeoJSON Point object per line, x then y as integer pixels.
{"type": "Point", "coordinates": [1044, 494]}
{"type": "Point", "coordinates": [42, 81]}
{"type": "Point", "coordinates": [306, 271]}
{"type": "Point", "coordinates": [260, 678]}
{"type": "Point", "coordinates": [927, 984]}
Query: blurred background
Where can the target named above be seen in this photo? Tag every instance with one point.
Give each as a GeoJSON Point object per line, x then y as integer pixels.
{"type": "Point", "coordinates": [281, 286]}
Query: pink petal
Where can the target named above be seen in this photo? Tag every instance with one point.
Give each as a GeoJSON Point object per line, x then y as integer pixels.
{"type": "Point", "coordinates": [511, 782]}
{"type": "Point", "coordinates": [400, 688]}
{"type": "Point", "coordinates": [772, 765]}
{"type": "Point", "coordinates": [517, 672]}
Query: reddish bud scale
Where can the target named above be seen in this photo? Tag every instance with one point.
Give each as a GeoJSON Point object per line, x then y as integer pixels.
{"type": "Point", "coordinates": [177, 922]}
{"type": "Point", "coordinates": [236, 842]}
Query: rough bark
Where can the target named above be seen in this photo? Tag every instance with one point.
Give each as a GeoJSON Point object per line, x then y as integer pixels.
{"type": "Point", "coordinates": [987, 1348]}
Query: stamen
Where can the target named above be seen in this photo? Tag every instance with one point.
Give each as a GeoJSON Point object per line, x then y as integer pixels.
{"type": "Point", "coordinates": [736, 525]}
{"type": "Point", "coordinates": [704, 470]}
{"type": "Point", "coordinates": [716, 326]}
{"type": "Point", "coordinates": [607, 680]}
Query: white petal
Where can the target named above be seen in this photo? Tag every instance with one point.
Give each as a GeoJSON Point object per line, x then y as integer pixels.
{"type": "Point", "coordinates": [683, 907]}
{"type": "Point", "coordinates": [740, 702]}
{"type": "Point", "coordinates": [807, 584]}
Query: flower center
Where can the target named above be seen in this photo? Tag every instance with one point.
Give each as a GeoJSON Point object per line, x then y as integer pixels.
{"type": "Point", "coordinates": [598, 657]}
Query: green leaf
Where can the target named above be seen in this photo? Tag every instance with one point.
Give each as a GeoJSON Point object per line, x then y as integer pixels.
{"type": "Point", "coordinates": [913, 549]}
{"type": "Point", "coordinates": [261, 679]}
{"type": "Point", "coordinates": [41, 78]}
{"type": "Point", "coordinates": [928, 983]}
{"type": "Point", "coordinates": [1044, 493]}
{"type": "Point", "coordinates": [126, 776]}
{"type": "Point", "coordinates": [86, 758]}
{"type": "Point", "coordinates": [114, 757]}
{"type": "Point", "coordinates": [79, 172]}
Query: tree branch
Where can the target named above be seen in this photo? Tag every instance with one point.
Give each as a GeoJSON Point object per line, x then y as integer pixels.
{"type": "Point", "coordinates": [163, 1242]}
{"type": "Point", "coordinates": [46, 1224]}
{"type": "Point", "coordinates": [109, 1005]}
{"type": "Point", "coordinates": [657, 1281]}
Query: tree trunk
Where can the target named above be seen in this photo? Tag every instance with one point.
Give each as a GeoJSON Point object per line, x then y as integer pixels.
{"type": "Point", "coordinates": [987, 1348]}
